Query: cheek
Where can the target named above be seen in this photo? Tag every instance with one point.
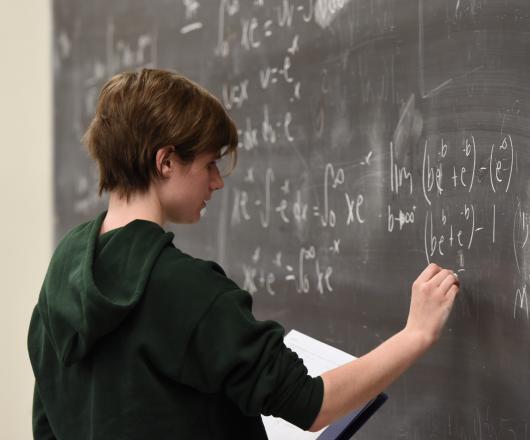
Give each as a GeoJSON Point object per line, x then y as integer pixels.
{"type": "Point", "coordinates": [171, 198]}
{"type": "Point", "coordinates": [201, 186]}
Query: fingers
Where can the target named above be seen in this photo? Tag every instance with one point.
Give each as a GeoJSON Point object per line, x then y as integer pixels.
{"type": "Point", "coordinates": [447, 283]}
{"type": "Point", "coordinates": [441, 276]}
{"type": "Point", "coordinates": [453, 291]}
{"type": "Point", "coordinates": [431, 270]}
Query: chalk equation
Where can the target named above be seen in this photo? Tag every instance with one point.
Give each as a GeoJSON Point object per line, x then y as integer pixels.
{"type": "Point", "coordinates": [313, 170]}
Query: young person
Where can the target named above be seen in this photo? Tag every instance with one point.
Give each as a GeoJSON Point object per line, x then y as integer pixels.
{"type": "Point", "coordinates": [133, 339]}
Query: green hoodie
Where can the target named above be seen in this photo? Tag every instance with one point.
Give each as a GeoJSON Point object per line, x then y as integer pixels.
{"type": "Point", "coordinates": [133, 339]}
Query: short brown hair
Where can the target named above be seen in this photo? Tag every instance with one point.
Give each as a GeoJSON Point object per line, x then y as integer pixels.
{"type": "Point", "coordinates": [140, 112]}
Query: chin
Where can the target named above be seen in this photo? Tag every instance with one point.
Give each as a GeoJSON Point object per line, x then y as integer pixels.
{"type": "Point", "coordinates": [189, 221]}
{"type": "Point", "coordinates": [185, 221]}
{"type": "Point", "coordinates": [193, 220]}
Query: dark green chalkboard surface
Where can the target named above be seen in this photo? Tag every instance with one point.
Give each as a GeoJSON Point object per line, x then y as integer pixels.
{"type": "Point", "coordinates": [376, 136]}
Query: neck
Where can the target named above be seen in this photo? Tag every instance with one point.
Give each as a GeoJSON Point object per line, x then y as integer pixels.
{"type": "Point", "coordinates": [140, 206]}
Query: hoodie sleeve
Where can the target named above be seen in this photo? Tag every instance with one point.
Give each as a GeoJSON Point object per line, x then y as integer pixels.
{"type": "Point", "coordinates": [41, 426]}
{"type": "Point", "coordinates": [231, 352]}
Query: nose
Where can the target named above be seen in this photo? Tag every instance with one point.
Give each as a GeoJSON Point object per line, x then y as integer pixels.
{"type": "Point", "coordinates": [216, 181]}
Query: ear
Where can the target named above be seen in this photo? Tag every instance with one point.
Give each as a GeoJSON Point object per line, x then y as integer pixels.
{"type": "Point", "coordinates": [164, 163]}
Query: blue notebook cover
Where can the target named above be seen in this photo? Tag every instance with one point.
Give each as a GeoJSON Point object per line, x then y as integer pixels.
{"type": "Point", "coordinates": [344, 428]}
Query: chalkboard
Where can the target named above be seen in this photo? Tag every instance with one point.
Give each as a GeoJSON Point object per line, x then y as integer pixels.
{"type": "Point", "coordinates": [375, 136]}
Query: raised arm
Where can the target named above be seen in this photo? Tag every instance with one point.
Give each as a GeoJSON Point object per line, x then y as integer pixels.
{"type": "Point", "coordinates": [349, 386]}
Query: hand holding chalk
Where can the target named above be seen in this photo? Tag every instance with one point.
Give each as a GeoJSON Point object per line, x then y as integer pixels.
{"type": "Point", "coordinates": [433, 295]}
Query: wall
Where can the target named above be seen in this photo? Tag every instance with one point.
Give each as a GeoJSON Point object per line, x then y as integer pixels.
{"type": "Point", "coordinates": [26, 185]}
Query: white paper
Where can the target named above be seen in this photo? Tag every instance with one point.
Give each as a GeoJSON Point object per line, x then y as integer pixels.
{"type": "Point", "coordinates": [318, 358]}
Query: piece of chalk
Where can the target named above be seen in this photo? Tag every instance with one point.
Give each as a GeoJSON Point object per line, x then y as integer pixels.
{"type": "Point", "coordinates": [460, 259]}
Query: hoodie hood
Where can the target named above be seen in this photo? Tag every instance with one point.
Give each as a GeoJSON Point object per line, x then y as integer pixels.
{"type": "Point", "coordinates": [94, 282]}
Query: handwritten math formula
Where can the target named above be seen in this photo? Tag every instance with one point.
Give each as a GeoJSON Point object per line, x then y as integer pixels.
{"type": "Point", "coordinates": [457, 192]}
{"type": "Point", "coordinates": [316, 174]}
